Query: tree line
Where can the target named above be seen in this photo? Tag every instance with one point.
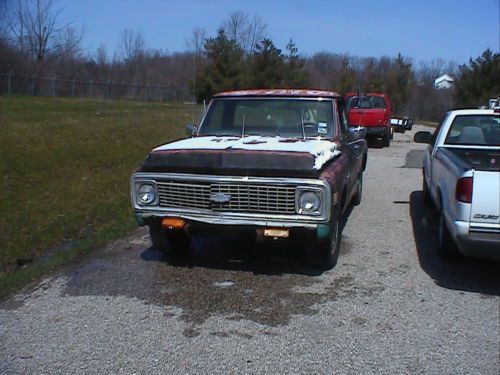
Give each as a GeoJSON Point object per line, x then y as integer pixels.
{"type": "Point", "coordinates": [35, 40]}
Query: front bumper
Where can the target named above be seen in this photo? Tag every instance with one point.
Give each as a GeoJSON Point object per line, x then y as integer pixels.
{"type": "Point", "coordinates": [377, 130]}
{"type": "Point", "coordinates": [477, 242]}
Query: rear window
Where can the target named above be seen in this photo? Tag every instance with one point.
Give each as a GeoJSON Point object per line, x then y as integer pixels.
{"type": "Point", "coordinates": [366, 102]}
{"type": "Point", "coordinates": [481, 130]}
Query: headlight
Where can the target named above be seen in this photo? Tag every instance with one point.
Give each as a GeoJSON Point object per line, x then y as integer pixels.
{"type": "Point", "coordinates": [309, 202]}
{"type": "Point", "coordinates": [146, 193]}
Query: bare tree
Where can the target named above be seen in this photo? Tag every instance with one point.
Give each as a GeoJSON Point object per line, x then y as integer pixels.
{"type": "Point", "coordinates": [4, 20]}
{"type": "Point", "coordinates": [69, 43]}
{"type": "Point", "coordinates": [132, 44]}
{"type": "Point", "coordinates": [101, 56]}
{"type": "Point", "coordinates": [256, 32]}
{"type": "Point", "coordinates": [36, 28]}
{"type": "Point", "coordinates": [197, 40]}
{"type": "Point", "coordinates": [246, 32]}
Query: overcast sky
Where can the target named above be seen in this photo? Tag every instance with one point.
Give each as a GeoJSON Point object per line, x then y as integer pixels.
{"type": "Point", "coordinates": [420, 29]}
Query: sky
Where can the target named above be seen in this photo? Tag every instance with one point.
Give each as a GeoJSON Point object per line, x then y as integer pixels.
{"type": "Point", "coordinates": [421, 30]}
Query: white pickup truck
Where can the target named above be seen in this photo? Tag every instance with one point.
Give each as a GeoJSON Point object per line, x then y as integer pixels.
{"type": "Point", "coordinates": [461, 176]}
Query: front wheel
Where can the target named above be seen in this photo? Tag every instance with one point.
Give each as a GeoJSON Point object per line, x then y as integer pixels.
{"type": "Point", "coordinates": [425, 191]}
{"type": "Point", "coordinates": [357, 198]}
{"type": "Point", "coordinates": [387, 139]}
{"type": "Point", "coordinates": [171, 243]}
{"type": "Point", "coordinates": [324, 254]}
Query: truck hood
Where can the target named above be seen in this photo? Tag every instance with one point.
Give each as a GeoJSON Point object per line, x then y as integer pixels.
{"type": "Point", "coordinates": [252, 155]}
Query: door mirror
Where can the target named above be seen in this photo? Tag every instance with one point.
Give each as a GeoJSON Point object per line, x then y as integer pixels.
{"type": "Point", "coordinates": [423, 137]}
{"type": "Point", "coordinates": [191, 130]}
{"type": "Point", "coordinates": [357, 133]}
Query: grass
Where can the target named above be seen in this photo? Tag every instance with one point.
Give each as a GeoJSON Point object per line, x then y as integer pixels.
{"type": "Point", "coordinates": [64, 176]}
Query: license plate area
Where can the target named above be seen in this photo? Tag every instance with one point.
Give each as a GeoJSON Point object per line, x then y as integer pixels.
{"type": "Point", "coordinates": [276, 232]}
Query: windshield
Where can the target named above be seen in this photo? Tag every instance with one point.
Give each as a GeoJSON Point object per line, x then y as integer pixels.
{"type": "Point", "coordinates": [481, 130]}
{"type": "Point", "coordinates": [294, 118]}
{"type": "Point", "coordinates": [366, 102]}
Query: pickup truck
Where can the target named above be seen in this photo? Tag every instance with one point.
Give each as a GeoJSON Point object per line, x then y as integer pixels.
{"type": "Point", "coordinates": [276, 164]}
{"type": "Point", "coordinates": [400, 125]}
{"type": "Point", "coordinates": [372, 111]}
{"type": "Point", "coordinates": [461, 176]}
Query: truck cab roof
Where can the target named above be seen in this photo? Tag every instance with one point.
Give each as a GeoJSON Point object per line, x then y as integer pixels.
{"type": "Point", "coordinates": [297, 93]}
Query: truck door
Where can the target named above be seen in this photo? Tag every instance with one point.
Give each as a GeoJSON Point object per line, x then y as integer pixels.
{"type": "Point", "coordinates": [355, 149]}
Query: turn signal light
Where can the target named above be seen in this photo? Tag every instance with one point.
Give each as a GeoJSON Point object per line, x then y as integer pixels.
{"type": "Point", "coordinates": [463, 192]}
{"type": "Point", "coordinates": [173, 223]}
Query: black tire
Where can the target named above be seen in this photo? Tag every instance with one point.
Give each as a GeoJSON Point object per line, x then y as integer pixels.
{"type": "Point", "coordinates": [446, 249]}
{"type": "Point", "coordinates": [171, 243]}
{"type": "Point", "coordinates": [392, 132]}
{"type": "Point", "coordinates": [324, 254]}
{"type": "Point", "coordinates": [426, 193]}
{"type": "Point", "coordinates": [357, 197]}
{"type": "Point", "coordinates": [387, 139]}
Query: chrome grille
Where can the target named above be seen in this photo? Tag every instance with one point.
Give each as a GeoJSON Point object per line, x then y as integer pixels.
{"type": "Point", "coordinates": [183, 195]}
{"type": "Point", "coordinates": [243, 198]}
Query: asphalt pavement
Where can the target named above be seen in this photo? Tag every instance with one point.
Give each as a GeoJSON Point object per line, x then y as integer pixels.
{"type": "Point", "coordinates": [390, 306]}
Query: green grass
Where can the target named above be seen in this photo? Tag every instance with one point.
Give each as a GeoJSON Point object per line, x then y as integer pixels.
{"type": "Point", "coordinates": [64, 175]}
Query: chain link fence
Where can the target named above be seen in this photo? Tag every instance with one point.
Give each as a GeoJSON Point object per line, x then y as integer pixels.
{"type": "Point", "coordinates": [12, 84]}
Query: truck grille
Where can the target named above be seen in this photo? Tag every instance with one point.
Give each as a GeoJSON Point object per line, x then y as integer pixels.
{"type": "Point", "coordinates": [236, 197]}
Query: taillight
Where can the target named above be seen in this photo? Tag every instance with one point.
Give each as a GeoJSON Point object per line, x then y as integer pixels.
{"type": "Point", "coordinates": [463, 192]}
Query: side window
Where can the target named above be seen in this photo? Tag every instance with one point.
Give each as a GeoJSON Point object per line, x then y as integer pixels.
{"type": "Point", "coordinates": [436, 132]}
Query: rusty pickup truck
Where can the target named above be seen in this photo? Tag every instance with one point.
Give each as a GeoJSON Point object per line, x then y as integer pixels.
{"type": "Point", "coordinates": [279, 164]}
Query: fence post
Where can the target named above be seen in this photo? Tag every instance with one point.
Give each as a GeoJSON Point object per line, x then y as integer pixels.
{"type": "Point", "coordinates": [33, 84]}
{"type": "Point", "coordinates": [90, 88]}
{"type": "Point", "coordinates": [121, 90]}
{"type": "Point", "coordinates": [145, 93]}
{"type": "Point", "coordinates": [135, 90]}
{"type": "Point", "coordinates": [73, 88]}
{"type": "Point", "coordinates": [9, 82]}
{"type": "Point", "coordinates": [107, 89]}
{"type": "Point", "coordinates": [54, 86]}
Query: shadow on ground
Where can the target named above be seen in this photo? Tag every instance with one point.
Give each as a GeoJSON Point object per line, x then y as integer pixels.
{"type": "Point", "coordinates": [467, 274]}
{"type": "Point", "coordinates": [228, 276]}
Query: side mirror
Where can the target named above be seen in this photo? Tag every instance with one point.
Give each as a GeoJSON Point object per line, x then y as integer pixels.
{"type": "Point", "coordinates": [191, 129]}
{"type": "Point", "coordinates": [357, 133]}
{"type": "Point", "coordinates": [423, 137]}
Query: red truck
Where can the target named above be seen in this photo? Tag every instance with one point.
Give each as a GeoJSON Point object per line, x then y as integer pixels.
{"type": "Point", "coordinates": [372, 111]}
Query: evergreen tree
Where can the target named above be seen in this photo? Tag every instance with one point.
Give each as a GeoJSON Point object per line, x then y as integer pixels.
{"type": "Point", "coordinates": [225, 67]}
{"type": "Point", "coordinates": [267, 68]}
{"type": "Point", "coordinates": [478, 81]}
{"type": "Point", "coordinates": [295, 75]}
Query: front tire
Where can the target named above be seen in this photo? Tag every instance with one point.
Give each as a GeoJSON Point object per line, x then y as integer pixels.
{"type": "Point", "coordinates": [171, 243]}
{"type": "Point", "coordinates": [324, 254]}
{"type": "Point", "coordinates": [387, 139]}
{"type": "Point", "coordinates": [357, 198]}
{"type": "Point", "coordinates": [426, 192]}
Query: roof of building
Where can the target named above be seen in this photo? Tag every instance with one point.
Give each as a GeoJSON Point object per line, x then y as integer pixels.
{"type": "Point", "coordinates": [444, 77]}
{"type": "Point", "coordinates": [279, 92]}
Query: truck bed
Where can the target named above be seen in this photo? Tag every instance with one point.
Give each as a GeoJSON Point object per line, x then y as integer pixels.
{"type": "Point", "coordinates": [479, 160]}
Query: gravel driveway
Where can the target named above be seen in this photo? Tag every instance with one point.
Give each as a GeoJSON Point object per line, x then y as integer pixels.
{"type": "Point", "coordinates": [389, 307]}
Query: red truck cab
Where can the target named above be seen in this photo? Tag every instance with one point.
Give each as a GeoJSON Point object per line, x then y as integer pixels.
{"type": "Point", "coordinates": [372, 111]}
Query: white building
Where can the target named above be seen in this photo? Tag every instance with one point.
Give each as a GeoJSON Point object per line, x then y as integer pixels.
{"type": "Point", "coordinates": [443, 82]}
